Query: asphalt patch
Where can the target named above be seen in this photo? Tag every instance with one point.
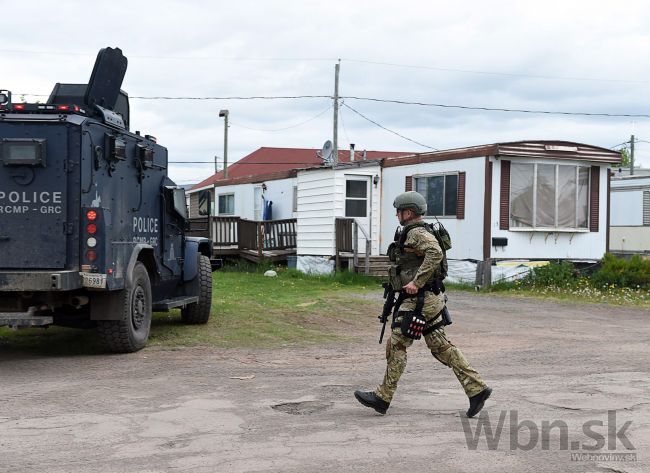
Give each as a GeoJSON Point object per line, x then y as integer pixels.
{"type": "Point", "coordinates": [303, 408]}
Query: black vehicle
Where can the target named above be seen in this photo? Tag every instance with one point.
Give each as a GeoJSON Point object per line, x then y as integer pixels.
{"type": "Point", "coordinates": [92, 231]}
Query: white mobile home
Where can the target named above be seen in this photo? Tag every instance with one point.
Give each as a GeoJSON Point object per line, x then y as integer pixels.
{"type": "Point", "coordinates": [630, 219]}
{"type": "Point", "coordinates": [247, 197]}
{"type": "Point", "coordinates": [520, 200]}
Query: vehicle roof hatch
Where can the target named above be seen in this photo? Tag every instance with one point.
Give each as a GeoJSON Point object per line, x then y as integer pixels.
{"type": "Point", "coordinates": [106, 78]}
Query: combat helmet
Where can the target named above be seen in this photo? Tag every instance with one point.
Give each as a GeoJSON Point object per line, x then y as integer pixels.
{"type": "Point", "coordinates": [412, 201]}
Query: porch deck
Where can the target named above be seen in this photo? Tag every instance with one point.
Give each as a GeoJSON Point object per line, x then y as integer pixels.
{"type": "Point", "coordinates": [252, 240]}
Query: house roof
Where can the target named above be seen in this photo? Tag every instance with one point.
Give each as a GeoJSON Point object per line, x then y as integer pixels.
{"type": "Point", "coordinates": [267, 164]}
{"type": "Point", "coordinates": [529, 149]}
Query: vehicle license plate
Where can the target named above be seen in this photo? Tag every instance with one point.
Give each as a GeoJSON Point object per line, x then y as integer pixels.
{"type": "Point", "coordinates": [93, 280]}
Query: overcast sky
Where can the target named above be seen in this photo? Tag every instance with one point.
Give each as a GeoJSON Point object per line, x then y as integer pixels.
{"type": "Point", "coordinates": [568, 56]}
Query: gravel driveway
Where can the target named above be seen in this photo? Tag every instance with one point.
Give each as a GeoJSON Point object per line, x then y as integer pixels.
{"type": "Point", "coordinates": [292, 409]}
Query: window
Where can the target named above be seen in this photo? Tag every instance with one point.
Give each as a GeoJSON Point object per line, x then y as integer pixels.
{"type": "Point", "coordinates": [227, 204]}
{"type": "Point", "coordinates": [440, 192]}
{"type": "Point", "coordinates": [356, 198]}
{"type": "Point", "coordinates": [552, 196]}
{"type": "Point", "coordinates": [204, 202]}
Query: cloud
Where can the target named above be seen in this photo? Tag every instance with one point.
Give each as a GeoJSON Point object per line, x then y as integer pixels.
{"type": "Point", "coordinates": [526, 55]}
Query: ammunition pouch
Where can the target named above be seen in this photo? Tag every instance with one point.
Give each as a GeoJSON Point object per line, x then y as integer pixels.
{"type": "Point", "coordinates": [412, 324]}
{"type": "Point", "coordinates": [445, 320]}
{"type": "Point", "coordinates": [399, 276]}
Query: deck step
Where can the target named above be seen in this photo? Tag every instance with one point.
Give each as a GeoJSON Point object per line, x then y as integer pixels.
{"type": "Point", "coordinates": [166, 304]}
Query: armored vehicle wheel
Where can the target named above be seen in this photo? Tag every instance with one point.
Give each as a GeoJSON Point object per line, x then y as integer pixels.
{"type": "Point", "coordinates": [199, 312]}
{"type": "Point", "coordinates": [131, 332]}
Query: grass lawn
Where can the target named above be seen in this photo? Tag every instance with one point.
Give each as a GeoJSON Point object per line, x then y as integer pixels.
{"type": "Point", "coordinates": [248, 310]}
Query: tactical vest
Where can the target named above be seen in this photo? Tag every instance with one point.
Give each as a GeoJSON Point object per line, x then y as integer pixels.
{"type": "Point", "coordinates": [405, 264]}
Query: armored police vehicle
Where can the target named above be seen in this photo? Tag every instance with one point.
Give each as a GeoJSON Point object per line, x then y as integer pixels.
{"type": "Point", "coordinates": [92, 230]}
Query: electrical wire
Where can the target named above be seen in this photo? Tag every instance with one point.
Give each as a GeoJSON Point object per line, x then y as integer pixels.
{"type": "Point", "coordinates": [496, 109]}
{"type": "Point", "coordinates": [349, 60]}
{"type": "Point", "coordinates": [345, 131]}
{"type": "Point", "coordinates": [252, 97]}
{"type": "Point", "coordinates": [492, 73]}
{"type": "Point", "coordinates": [209, 58]}
{"type": "Point", "coordinates": [285, 128]}
{"type": "Point", "coordinates": [389, 130]}
{"type": "Point", "coordinates": [620, 144]}
{"type": "Point", "coordinates": [248, 162]}
{"type": "Point", "coordinates": [391, 101]}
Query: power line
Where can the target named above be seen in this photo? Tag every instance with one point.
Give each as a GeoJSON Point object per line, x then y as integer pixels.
{"type": "Point", "coordinates": [285, 128]}
{"type": "Point", "coordinates": [345, 131]}
{"type": "Point", "coordinates": [620, 144]}
{"type": "Point", "coordinates": [388, 130]}
{"type": "Point", "coordinates": [490, 109]}
{"type": "Point", "coordinates": [170, 57]}
{"type": "Point", "coordinates": [493, 73]}
{"type": "Point", "coordinates": [252, 97]}
{"type": "Point", "coordinates": [247, 162]}
{"type": "Point", "coordinates": [391, 101]}
{"type": "Point", "coordinates": [325, 59]}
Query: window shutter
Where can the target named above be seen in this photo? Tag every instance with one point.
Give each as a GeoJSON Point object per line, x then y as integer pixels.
{"type": "Point", "coordinates": [460, 204]}
{"type": "Point", "coordinates": [504, 202]}
{"type": "Point", "coordinates": [409, 184]}
{"type": "Point", "coordinates": [646, 207]}
{"type": "Point", "coordinates": [594, 198]}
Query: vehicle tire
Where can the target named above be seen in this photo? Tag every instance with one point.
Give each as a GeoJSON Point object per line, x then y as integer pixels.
{"type": "Point", "coordinates": [131, 332]}
{"type": "Point", "coordinates": [199, 312]}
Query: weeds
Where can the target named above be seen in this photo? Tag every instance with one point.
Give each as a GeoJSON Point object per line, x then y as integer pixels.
{"type": "Point", "coordinates": [617, 281]}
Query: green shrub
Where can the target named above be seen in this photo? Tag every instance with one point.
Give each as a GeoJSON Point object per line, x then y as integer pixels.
{"type": "Point", "coordinates": [561, 274]}
{"type": "Point", "coordinates": [619, 272]}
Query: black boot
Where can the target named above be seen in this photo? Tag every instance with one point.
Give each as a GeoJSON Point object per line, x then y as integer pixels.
{"type": "Point", "coordinates": [476, 402]}
{"type": "Point", "coordinates": [370, 399]}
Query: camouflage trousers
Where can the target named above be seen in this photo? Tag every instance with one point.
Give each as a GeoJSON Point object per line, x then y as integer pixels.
{"type": "Point", "coordinates": [441, 348]}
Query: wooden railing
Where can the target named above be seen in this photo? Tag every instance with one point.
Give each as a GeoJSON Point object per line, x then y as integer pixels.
{"type": "Point", "coordinates": [346, 236]}
{"type": "Point", "coordinates": [343, 235]}
{"type": "Point", "coordinates": [267, 235]}
{"type": "Point", "coordinates": [259, 236]}
{"type": "Point", "coordinates": [198, 227]}
{"type": "Point", "coordinates": [225, 231]}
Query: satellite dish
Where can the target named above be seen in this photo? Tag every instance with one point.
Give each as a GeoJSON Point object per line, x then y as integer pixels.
{"type": "Point", "coordinates": [326, 152]}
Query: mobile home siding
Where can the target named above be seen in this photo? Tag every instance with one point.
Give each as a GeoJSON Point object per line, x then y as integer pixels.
{"type": "Point", "coordinates": [316, 211]}
{"type": "Point", "coordinates": [466, 233]}
{"type": "Point", "coordinates": [630, 215]}
{"type": "Point", "coordinates": [321, 199]}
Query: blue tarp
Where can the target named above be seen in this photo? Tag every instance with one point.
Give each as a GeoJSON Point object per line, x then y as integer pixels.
{"type": "Point", "coordinates": [268, 210]}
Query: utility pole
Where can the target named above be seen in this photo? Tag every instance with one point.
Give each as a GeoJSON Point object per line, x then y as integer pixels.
{"type": "Point", "coordinates": [224, 114]}
{"type": "Point", "coordinates": [335, 140]}
{"type": "Point", "coordinates": [632, 155]}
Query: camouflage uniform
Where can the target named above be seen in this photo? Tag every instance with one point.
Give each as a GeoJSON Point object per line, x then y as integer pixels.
{"type": "Point", "coordinates": [423, 243]}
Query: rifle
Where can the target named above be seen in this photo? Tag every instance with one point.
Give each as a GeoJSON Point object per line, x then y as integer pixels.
{"type": "Point", "coordinates": [389, 295]}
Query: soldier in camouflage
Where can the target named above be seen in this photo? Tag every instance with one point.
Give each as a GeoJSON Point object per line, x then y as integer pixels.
{"type": "Point", "coordinates": [418, 264]}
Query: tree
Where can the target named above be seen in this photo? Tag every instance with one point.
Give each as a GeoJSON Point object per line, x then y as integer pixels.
{"type": "Point", "coordinates": [625, 157]}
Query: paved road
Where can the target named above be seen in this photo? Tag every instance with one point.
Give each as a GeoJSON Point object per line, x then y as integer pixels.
{"type": "Point", "coordinates": [292, 410]}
